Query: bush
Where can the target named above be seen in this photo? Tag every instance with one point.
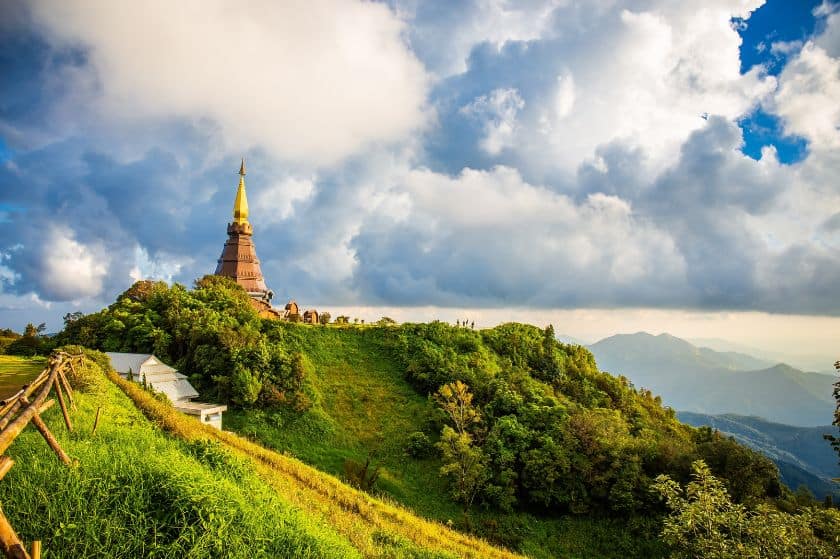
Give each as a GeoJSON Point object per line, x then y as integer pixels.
{"type": "Point", "coordinates": [418, 445]}
{"type": "Point", "coordinates": [90, 377]}
{"type": "Point", "coordinates": [705, 522]}
{"type": "Point", "coordinates": [361, 475]}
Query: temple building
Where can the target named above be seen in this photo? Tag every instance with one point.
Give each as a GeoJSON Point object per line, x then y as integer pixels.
{"type": "Point", "coordinates": [239, 258]}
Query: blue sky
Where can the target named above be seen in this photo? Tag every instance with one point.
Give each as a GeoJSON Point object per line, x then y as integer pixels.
{"type": "Point", "coordinates": [609, 156]}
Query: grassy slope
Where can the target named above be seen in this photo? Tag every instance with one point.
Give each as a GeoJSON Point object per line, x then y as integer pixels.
{"type": "Point", "coordinates": [172, 487]}
{"type": "Point", "coordinates": [139, 493]}
{"type": "Point", "coordinates": [16, 371]}
{"type": "Point", "coordinates": [374, 527]}
{"type": "Point", "coordinates": [367, 407]}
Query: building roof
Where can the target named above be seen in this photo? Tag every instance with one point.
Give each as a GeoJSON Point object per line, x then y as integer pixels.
{"type": "Point", "coordinates": [196, 408]}
{"type": "Point", "coordinates": [160, 376]}
{"type": "Point", "coordinates": [176, 389]}
{"type": "Point", "coordinates": [122, 362]}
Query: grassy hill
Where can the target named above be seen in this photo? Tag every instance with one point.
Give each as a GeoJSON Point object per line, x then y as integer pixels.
{"type": "Point", "coordinates": [163, 485]}
{"type": "Point", "coordinates": [366, 408]}
{"type": "Point", "coordinates": [503, 433]}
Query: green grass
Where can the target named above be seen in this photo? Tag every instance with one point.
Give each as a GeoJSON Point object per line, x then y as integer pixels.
{"type": "Point", "coordinates": [17, 371]}
{"type": "Point", "coordinates": [364, 406]}
{"type": "Point", "coordinates": [376, 527]}
{"type": "Point", "coordinates": [137, 492]}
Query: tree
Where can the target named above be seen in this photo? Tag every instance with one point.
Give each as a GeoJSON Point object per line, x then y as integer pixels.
{"type": "Point", "coordinates": [835, 440]}
{"type": "Point", "coordinates": [463, 463]}
{"type": "Point", "coordinates": [704, 522]}
{"type": "Point", "coordinates": [324, 318]}
{"type": "Point", "coordinates": [31, 343]}
{"type": "Point", "coordinates": [455, 399]}
{"type": "Point", "coordinates": [71, 317]}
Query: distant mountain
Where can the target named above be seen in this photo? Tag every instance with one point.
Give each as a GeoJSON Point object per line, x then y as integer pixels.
{"type": "Point", "coordinates": [570, 340]}
{"type": "Point", "coordinates": [706, 381]}
{"type": "Point", "coordinates": [803, 362]}
{"type": "Point", "coordinates": [803, 456]}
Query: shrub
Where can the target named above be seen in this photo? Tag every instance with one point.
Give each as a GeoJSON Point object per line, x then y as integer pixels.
{"type": "Point", "coordinates": [90, 377]}
{"type": "Point", "coordinates": [361, 475]}
{"type": "Point", "coordinates": [418, 445]}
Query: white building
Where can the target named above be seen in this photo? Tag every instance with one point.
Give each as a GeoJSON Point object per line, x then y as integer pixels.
{"type": "Point", "coordinates": [160, 377]}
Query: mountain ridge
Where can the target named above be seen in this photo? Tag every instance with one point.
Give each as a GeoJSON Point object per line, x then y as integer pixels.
{"type": "Point", "coordinates": [801, 453]}
{"type": "Point", "coordinates": [703, 380]}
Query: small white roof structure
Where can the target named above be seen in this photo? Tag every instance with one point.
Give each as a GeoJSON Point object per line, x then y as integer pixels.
{"type": "Point", "coordinates": [147, 368]}
{"type": "Point", "coordinates": [160, 376]}
{"type": "Point", "coordinates": [123, 362]}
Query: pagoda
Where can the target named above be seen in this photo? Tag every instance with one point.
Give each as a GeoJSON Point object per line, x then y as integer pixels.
{"type": "Point", "coordinates": [239, 258]}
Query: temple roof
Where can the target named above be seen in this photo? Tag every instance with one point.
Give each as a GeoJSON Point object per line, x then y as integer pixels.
{"type": "Point", "coordinates": [238, 260]}
{"type": "Point", "coordinates": [240, 205]}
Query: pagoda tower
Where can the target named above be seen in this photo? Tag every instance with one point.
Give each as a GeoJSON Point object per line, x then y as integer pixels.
{"type": "Point", "coordinates": [239, 258]}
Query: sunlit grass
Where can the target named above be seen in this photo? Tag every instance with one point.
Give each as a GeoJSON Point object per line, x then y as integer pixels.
{"type": "Point", "coordinates": [375, 527]}
{"type": "Point", "coordinates": [137, 492]}
{"type": "Point", "coordinates": [17, 371]}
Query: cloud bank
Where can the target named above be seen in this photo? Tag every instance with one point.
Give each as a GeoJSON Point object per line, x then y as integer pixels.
{"type": "Point", "coordinates": [536, 154]}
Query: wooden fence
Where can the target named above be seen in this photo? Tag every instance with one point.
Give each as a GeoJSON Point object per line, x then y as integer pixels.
{"type": "Point", "coordinates": [25, 407]}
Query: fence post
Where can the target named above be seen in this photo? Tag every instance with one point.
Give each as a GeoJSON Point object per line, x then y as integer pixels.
{"type": "Point", "coordinates": [10, 543]}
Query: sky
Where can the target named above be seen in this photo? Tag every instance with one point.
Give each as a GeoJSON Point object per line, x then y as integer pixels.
{"type": "Point", "coordinates": [607, 166]}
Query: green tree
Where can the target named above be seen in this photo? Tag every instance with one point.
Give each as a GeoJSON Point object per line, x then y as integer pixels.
{"type": "Point", "coordinates": [704, 522]}
{"type": "Point", "coordinates": [463, 464]}
{"type": "Point", "coordinates": [245, 386]}
{"type": "Point", "coordinates": [31, 343]}
{"type": "Point", "coordinates": [456, 400]}
{"type": "Point", "coordinates": [833, 439]}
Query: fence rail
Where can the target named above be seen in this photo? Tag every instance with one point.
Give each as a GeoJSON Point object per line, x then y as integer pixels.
{"type": "Point", "coordinates": [25, 407]}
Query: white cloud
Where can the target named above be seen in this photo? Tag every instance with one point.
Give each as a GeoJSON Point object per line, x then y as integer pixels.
{"type": "Point", "coordinates": [162, 267]}
{"type": "Point", "coordinates": [829, 39]}
{"type": "Point", "coordinates": [808, 98]}
{"type": "Point", "coordinates": [642, 73]}
{"type": "Point", "coordinates": [310, 81]}
{"type": "Point", "coordinates": [70, 269]}
{"type": "Point", "coordinates": [565, 99]}
{"type": "Point", "coordinates": [498, 111]}
{"type": "Point", "coordinates": [277, 202]}
{"type": "Point", "coordinates": [479, 21]}
{"type": "Point", "coordinates": [485, 235]}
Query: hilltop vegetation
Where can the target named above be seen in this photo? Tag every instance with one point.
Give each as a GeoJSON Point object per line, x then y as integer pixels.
{"type": "Point", "coordinates": [504, 432]}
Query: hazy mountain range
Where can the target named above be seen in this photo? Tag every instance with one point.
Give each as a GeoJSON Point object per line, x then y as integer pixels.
{"type": "Point", "coordinates": [801, 361]}
{"type": "Point", "coordinates": [801, 453]}
{"type": "Point", "coordinates": [774, 408]}
{"type": "Point", "coordinates": [702, 380]}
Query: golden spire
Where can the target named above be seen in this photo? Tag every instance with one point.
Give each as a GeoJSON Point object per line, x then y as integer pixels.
{"type": "Point", "coordinates": [240, 206]}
